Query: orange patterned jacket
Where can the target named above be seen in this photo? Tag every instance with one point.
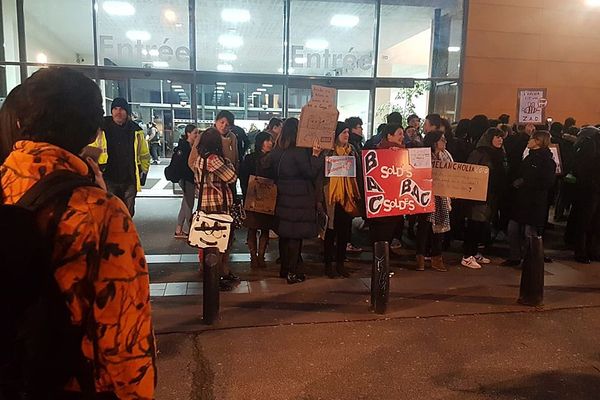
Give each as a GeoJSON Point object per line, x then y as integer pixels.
{"type": "Point", "coordinates": [96, 221]}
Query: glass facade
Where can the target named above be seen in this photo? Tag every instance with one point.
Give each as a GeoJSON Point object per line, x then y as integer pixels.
{"type": "Point", "coordinates": [181, 61]}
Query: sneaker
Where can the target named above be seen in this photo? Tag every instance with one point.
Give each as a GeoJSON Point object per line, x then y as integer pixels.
{"type": "Point", "coordinates": [481, 259]}
{"type": "Point", "coordinates": [180, 235]}
{"type": "Point", "coordinates": [353, 249]}
{"type": "Point", "coordinates": [273, 235]}
{"type": "Point", "coordinates": [396, 244]}
{"type": "Point", "coordinates": [470, 262]}
{"type": "Point", "coordinates": [427, 258]}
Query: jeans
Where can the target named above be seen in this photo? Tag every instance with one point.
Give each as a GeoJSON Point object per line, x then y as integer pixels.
{"type": "Point", "coordinates": [184, 218]}
{"type": "Point", "coordinates": [515, 237]}
{"type": "Point", "coordinates": [126, 192]}
{"type": "Point", "coordinates": [343, 225]}
{"type": "Point", "coordinates": [155, 151]}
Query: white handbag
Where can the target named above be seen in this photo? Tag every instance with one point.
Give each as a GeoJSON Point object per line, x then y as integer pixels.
{"type": "Point", "coordinates": [210, 230]}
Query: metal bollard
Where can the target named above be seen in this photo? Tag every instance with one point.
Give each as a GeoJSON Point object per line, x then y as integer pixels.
{"type": "Point", "coordinates": [380, 277]}
{"type": "Point", "coordinates": [210, 295]}
{"type": "Point", "coordinates": [531, 292]}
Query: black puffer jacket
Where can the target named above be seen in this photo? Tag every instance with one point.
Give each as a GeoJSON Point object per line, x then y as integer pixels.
{"type": "Point", "coordinates": [296, 171]}
{"type": "Point", "coordinates": [185, 148]}
{"type": "Point", "coordinates": [536, 177]}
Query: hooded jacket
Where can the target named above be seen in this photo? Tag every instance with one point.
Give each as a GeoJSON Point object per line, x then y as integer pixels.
{"type": "Point", "coordinates": [96, 231]}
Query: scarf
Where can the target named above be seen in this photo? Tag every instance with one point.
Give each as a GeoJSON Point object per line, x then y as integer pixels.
{"type": "Point", "coordinates": [344, 190]}
{"type": "Point", "coordinates": [440, 218]}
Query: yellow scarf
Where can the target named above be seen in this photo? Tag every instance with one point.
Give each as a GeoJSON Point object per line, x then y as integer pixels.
{"type": "Point", "coordinates": [344, 190]}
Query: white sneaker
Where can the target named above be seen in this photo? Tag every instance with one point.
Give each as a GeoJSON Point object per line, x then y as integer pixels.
{"type": "Point", "coordinates": [272, 235]}
{"type": "Point", "coordinates": [396, 244]}
{"type": "Point", "coordinates": [470, 262]}
{"type": "Point", "coordinates": [481, 259]}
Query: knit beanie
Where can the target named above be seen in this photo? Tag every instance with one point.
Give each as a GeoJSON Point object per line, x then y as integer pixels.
{"type": "Point", "coordinates": [120, 102]}
{"type": "Point", "coordinates": [340, 128]}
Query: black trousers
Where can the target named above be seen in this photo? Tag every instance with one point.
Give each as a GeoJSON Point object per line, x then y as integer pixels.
{"type": "Point", "coordinates": [587, 236]}
{"type": "Point", "coordinates": [289, 250]}
{"type": "Point", "coordinates": [426, 239]}
{"type": "Point", "coordinates": [383, 229]}
{"type": "Point", "coordinates": [474, 233]}
{"type": "Point", "coordinates": [338, 235]}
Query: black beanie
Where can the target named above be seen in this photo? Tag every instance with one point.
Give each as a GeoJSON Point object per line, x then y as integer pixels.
{"type": "Point", "coordinates": [120, 102]}
{"type": "Point", "coordinates": [340, 128]}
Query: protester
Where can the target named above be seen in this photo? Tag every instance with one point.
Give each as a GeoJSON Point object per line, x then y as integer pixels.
{"type": "Point", "coordinates": [584, 221]}
{"type": "Point", "coordinates": [295, 170]}
{"type": "Point", "coordinates": [225, 119]}
{"type": "Point", "coordinates": [374, 141]}
{"type": "Point", "coordinates": [433, 122]}
{"type": "Point", "coordinates": [477, 127]}
{"type": "Point", "coordinates": [101, 272]}
{"type": "Point", "coordinates": [343, 200]}
{"type": "Point", "coordinates": [274, 128]}
{"type": "Point", "coordinates": [257, 164]}
{"type": "Point", "coordinates": [530, 199]}
{"type": "Point", "coordinates": [489, 152]}
{"type": "Point", "coordinates": [432, 226]}
{"type": "Point", "coordinates": [9, 131]}
{"type": "Point", "coordinates": [217, 197]}
{"type": "Point", "coordinates": [357, 138]}
{"type": "Point", "coordinates": [184, 218]}
{"type": "Point", "coordinates": [457, 145]}
{"type": "Point", "coordinates": [394, 118]}
{"type": "Point", "coordinates": [242, 140]}
{"type": "Point", "coordinates": [127, 154]}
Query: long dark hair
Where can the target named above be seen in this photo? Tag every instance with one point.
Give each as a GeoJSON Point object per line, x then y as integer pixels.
{"type": "Point", "coordinates": [210, 143]}
{"type": "Point", "coordinates": [289, 133]}
{"type": "Point", "coordinates": [273, 122]}
{"type": "Point", "coordinates": [9, 132]}
{"type": "Point", "coordinates": [261, 138]}
{"type": "Point", "coordinates": [431, 139]}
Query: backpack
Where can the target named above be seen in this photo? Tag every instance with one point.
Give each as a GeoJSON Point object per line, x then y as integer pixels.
{"type": "Point", "coordinates": [175, 171]}
{"type": "Point", "coordinates": [40, 350]}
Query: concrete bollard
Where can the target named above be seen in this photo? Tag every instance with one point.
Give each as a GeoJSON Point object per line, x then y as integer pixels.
{"type": "Point", "coordinates": [380, 277]}
{"type": "Point", "coordinates": [210, 295]}
{"type": "Point", "coordinates": [531, 292]}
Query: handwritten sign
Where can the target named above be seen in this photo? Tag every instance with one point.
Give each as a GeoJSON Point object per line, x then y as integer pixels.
{"type": "Point", "coordinates": [342, 166]}
{"type": "Point", "coordinates": [555, 150]}
{"type": "Point", "coordinates": [318, 119]}
{"type": "Point", "coordinates": [531, 106]}
{"type": "Point", "coordinates": [261, 196]}
{"type": "Point", "coordinates": [460, 181]}
{"type": "Point", "coordinates": [397, 182]}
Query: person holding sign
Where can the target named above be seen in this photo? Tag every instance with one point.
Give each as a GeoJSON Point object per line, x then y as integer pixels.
{"type": "Point", "coordinates": [295, 170]}
{"type": "Point", "coordinates": [432, 226]}
{"type": "Point", "coordinates": [342, 199]}
{"type": "Point", "coordinates": [489, 152]}
{"type": "Point", "coordinates": [257, 164]}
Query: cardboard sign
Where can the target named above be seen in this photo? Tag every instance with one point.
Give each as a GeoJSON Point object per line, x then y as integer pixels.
{"type": "Point", "coordinates": [261, 196]}
{"type": "Point", "coordinates": [460, 181]}
{"type": "Point", "coordinates": [318, 119]}
{"type": "Point", "coordinates": [397, 182]}
{"type": "Point", "coordinates": [555, 150]}
{"type": "Point", "coordinates": [342, 166]}
{"type": "Point", "coordinates": [531, 106]}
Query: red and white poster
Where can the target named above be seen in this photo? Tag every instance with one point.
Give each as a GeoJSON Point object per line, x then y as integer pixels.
{"type": "Point", "coordinates": [397, 182]}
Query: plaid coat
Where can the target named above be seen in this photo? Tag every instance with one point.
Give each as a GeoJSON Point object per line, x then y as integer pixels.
{"type": "Point", "coordinates": [220, 172]}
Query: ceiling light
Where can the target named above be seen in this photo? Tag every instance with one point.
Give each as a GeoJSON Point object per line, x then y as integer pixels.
{"type": "Point", "coordinates": [235, 15]}
{"type": "Point", "coordinates": [300, 60]}
{"type": "Point", "coordinates": [170, 15]}
{"type": "Point", "coordinates": [176, 86]}
{"type": "Point", "coordinates": [453, 49]}
{"type": "Point", "coordinates": [178, 90]}
{"type": "Point", "coordinates": [138, 35]}
{"type": "Point", "coordinates": [220, 88]}
{"type": "Point", "coordinates": [261, 90]}
{"type": "Point", "coordinates": [42, 58]}
{"type": "Point", "coordinates": [153, 52]}
{"type": "Point", "coordinates": [160, 64]}
{"type": "Point", "coordinates": [179, 25]}
{"type": "Point", "coordinates": [221, 83]}
{"type": "Point", "coordinates": [593, 3]}
{"type": "Point", "coordinates": [225, 67]}
{"type": "Point", "coordinates": [231, 40]}
{"type": "Point", "coordinates": [227, 57]}
{"type": "Point", "coordinates": [344, 20]}
{"type": "Point", "coordinates": [317, 44]}
{"type": "Point", "coordinates": [266, 85]}
{"type": "Point", "coordinates": [219, 91]}
{"type": "Point", "coordinates": [118, 8]}
{"type": "Point", "coordinates": [256, 93]}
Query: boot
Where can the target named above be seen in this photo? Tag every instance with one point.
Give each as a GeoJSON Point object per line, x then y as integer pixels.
{"type": "Point", "coordinates": [341, 270]}
{"type": "Point", "coordinates": [263, 243]}
{"type": "Point", "coordinates": [420, 262]}
{"type": "Point", "coordinates": [252, 249]}
{"type": "Point", "coordinates": [329, 270]}
{"type": "Point", "coordinates": [437, 263]}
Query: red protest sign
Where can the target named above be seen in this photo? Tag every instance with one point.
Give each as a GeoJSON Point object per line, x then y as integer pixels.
{"type": "Point", "coordinates": [397, 182]}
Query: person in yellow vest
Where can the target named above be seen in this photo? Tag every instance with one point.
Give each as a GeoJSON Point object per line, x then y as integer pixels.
{"type": "Point", "coordinates": [125, 157]}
